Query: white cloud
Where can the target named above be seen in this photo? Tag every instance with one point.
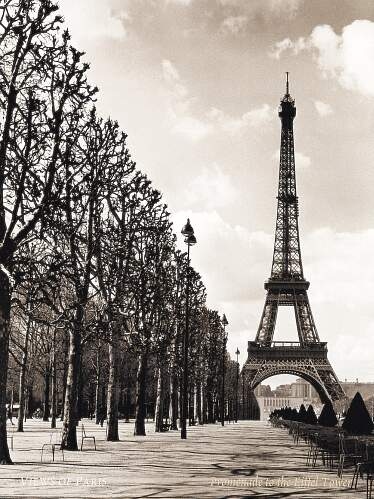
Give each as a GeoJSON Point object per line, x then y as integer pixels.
{"type": "Point", "coordinates": [287, 44]}
{"type": "Point", "coordinates": [179, 106]}
{"type": "Point", "coordinates": [347, 57]}
{"type": "Point", "coordinates": [236, 273]}
{"type": "Point", "coordinates": [191, 127]}
{"type": "Point", "coordinates": [290, 7]}
{"type": "Point", "coordinates": [184, 121]}
{"type": "Point", "coordinates": [302, 161]}
{"type": "Point", "coordinates": [92, 19]}
{"type": "Point", "coordinates": [234, 24]}
{"type": "Point", "coordinates": [253, 119]}
{"type": "Point", "coordinates": [170, 71]}
{"type": "Point", "coordinates": [180, 2]}
{"type": "Point", "coordinates": [265, 8]}
{"type": "Point", "coordinates": [175, 85]}
{"type": "Point", "coordinates": [322, 108]}
{"type": "Point", "coordinates": [326, 43]}
{"type": "Point", "coordinates": [211, 189]}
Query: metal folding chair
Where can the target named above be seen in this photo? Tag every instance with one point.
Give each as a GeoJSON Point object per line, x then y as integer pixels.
{"type": "Point", "coordinates": [86, 437]}
{"type": "Point", "coordinates": [54, 443]}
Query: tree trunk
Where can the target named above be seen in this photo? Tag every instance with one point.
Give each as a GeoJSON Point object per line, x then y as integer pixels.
{"type": "Point", "coordinates": [47, 377]}
{"type": "Point", "coordinates": [127, 403]}
{"type": "Point", "coordinates": [27, 411]}
{"type": "Point", "coordinates": [216, 409]}
{"type": "Point", "coordinates": [210, 407]}
{"type": "Point", "coordinates": [195, 403]}
{"type": "Point", "coordinates": [199, 396]}
{"type": "Point", "coordinates": [64, 380]}
{"type": "Point", "coordinates": [22, 378]}
{"type": "Point", "coordinates": [140, 394]}
{"type": "Point", "coordinates": [54, 382]}
{"type": "Point", "coordinates": [97, 391]}
{"type": "Point", "coordinates": [69, 438]}
{"type": "Point", "coordinates": [192, 405]}
{"type": "Point", "coordinates": [180, 401]}
{"type": "Point", "coordinates": [204, 404]}
{"type": "Point", "coordinates": [173, 408]}
{"type": "Point", "coordinates": [80, 389]}
{"type": "Point", "coordinates": [4, 348]}
{"type": "Point", "coordinates": [159, 408]}
{"type": "Point", "coordinates": [113, 388]}
{"type": "Point", "coordinates": [30, 402]}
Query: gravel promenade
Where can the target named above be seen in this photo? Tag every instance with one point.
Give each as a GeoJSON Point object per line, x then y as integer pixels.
{"type": "Point", "coordinates": [247, 459]}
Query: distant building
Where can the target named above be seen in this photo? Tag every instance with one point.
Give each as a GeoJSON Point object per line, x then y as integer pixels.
{"type": "Point", "coordinates": [263, 391]}
{"type": "Point", "coordinates": [268, 404]}
{"type": "Point", "coordinates": [352, 387]}
{"type": "Point", "coordinates": [301, 392]}
{"type": "Point", "coordinates": [288, 395]}
{"type": "Point", "coordinates": [283, 391]}
{"type": "Point", "coordinates": [302, 388]}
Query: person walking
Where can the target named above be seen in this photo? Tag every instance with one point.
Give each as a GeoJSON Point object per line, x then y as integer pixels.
{"type": "Point", "coordinates": [9, 414]}
{"type": "Point", "coordinates": [102, 415]}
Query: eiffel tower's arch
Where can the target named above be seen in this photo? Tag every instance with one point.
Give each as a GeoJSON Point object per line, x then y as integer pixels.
{"type": "Point", "coordinates": [298, 371]}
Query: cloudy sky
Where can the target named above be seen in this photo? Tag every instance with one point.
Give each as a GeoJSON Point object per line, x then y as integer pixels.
{"type": "Point", "coordinates": [196, 85]}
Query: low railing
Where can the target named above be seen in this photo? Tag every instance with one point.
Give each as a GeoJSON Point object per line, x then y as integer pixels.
{"type": "Point", "coordinates": [289, 344]}
{"type": "Point", "coordinates": [286, 349]}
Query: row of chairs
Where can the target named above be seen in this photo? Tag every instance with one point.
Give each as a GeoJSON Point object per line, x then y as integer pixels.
{"type": "Point", "coordinates": [335, 448]}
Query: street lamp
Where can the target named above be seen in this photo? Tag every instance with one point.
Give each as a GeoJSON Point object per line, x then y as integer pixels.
{"type": "Point", "coordinates": [190, 240]}
{"type": "Point", "coordinates": [243, 397]}
{"type": "Point", "coordinates": [237, 353]}
{"type": "Point", "coordinates": [224, 323]}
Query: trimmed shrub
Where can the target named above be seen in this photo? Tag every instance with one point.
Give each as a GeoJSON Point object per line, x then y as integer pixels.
{"type": "Point", "coordinates": [311, 417]}
{"type": "Point", "coordinates": [302, 414]}
{"type": "Point", "coordinates": [328, 416]}
{"type": "Point", "coordinates": [358, 420]}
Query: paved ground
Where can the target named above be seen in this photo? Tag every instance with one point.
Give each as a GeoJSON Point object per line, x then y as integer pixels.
{"type": "Point", "coordinates": [248, 459]}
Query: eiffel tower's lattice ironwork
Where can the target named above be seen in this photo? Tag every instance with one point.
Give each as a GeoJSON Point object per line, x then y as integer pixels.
{"type": "Point", "coordinates": [288, 287]}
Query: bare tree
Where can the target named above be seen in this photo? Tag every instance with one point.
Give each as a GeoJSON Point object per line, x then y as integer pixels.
{"type": "Point", "coordinates": [40, 81]}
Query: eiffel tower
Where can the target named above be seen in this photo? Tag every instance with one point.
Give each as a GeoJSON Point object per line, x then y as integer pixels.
{"type": "Point", "coordinates": [288, 287]}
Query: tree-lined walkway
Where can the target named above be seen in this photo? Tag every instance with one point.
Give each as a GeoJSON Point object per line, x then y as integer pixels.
{"type": "Point", "coordinates": [248, 459]}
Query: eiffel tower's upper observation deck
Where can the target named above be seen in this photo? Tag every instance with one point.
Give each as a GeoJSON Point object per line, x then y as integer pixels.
{"type": "Point", "coordinates": [287, 108]}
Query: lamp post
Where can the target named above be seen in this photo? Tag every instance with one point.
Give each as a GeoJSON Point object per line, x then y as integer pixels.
{"type": "Point", "coordinates": [243, 396]}
{"type": "Point", "coordinates": [190, 240]}
{"type": "Point", "coordinates": [237, 353]}
{"type": "Point", "coordinates": [224, 323]}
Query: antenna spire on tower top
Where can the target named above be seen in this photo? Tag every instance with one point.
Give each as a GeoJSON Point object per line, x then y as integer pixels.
{"type": "Point", "coordinates": [287, 83]}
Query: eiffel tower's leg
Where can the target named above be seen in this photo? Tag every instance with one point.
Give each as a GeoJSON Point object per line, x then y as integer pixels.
{"type": "Point", "coordinates": [269, 316]}
{"type": "Point", "coordinates": [330, 381]}
{"type": "Point", "coordinates": [306, 327]}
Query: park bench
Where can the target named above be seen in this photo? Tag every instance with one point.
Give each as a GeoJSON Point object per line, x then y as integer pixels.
{"type": "Point", "coordinates": [55, 442]}
{"type": "Point", "coordinates": [86, 437]}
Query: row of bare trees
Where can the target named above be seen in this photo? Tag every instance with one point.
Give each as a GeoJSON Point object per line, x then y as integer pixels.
{"type": "Point", "coordinates": [88, 260]}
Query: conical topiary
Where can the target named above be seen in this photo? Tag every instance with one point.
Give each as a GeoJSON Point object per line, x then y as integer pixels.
{"type": "Point", "coordinates": [328, 416]}
{"type": "Point", "coordinates": [358, 420]}
{"type": "Point", "coordinates": [302, 413]}
{"type": "Point", "coordinates": [311, 417]}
